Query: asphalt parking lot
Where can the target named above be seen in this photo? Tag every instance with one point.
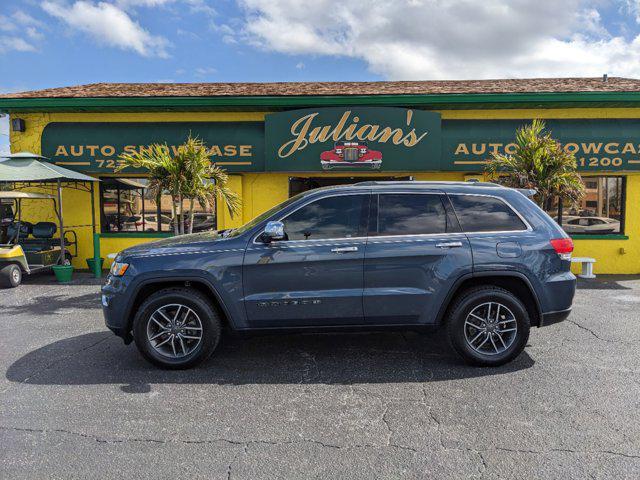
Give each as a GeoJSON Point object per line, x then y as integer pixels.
{"type": "Point", "coordinates": [76, 402]}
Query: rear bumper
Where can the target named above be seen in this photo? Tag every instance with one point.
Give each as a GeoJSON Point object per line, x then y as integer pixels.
{"type": "Point", "coordinates": [550, 318]}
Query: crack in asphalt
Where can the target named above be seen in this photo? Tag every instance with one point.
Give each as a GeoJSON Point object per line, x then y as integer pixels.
{"type": "Point", "coordinates": [586, 329]}
{"type": "Point", "coordinates": [566, 450]}
{"type": "Point", "coordinates": [386, 423]}
{"type": "Point", "coordinates": [246, 444]}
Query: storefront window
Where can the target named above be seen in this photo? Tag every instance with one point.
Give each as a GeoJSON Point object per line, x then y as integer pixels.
{"type": "Point", "coordinates": [128, 207]}
{"type": "Point", "coordinates": [600, 212]}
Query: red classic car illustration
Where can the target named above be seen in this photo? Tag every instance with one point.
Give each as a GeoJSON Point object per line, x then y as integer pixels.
{"type": "Point", "coordinates": [350, 154]}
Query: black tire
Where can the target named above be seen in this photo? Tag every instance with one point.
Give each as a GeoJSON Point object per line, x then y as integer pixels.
{"type": "Point", "coordinates": [475, 298]}
{"type": "Point", "coordinates": [10, 276]}
{"type": "Point", "coordinates": [196, 301]}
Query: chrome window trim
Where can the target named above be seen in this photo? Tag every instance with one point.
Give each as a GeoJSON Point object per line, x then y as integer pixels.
{"type": "Point", "coordinates": [514, 210]}
{"type": "Point", "coordinates": [280, 242]}
{"type": "Point", "coordinates": [425, 235]}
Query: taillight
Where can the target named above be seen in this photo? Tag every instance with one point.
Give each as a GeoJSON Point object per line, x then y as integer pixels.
{"type": "Point", "coordinates": [563, 247]}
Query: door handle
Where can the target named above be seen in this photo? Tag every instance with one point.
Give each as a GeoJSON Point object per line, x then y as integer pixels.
{"type": "Point", "coordinates": [449, 245]}
{"type": "Point", "coordinates": [344, 249]}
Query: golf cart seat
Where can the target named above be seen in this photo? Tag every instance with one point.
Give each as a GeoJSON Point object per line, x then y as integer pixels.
{"type": "Point", "coordinates": [42, 233]}
{"type": "Point", "coordinates": [24, 228]}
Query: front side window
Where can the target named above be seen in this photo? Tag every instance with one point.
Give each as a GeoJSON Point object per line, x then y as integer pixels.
{"type": "Point", "coordinates": [599, 212]}
{"type": "Point", "coordinates": [411, 214]}
{"type": "Point", "coordinates": [478, 213]}
{"type": "Point", "coordinates": [332, 217]}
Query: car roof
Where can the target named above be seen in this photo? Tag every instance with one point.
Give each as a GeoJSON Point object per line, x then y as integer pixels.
{"type": "Point", "coordinates": [448, 187]}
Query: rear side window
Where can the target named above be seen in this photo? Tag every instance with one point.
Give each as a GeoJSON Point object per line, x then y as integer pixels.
{"type": "Point", "coordinates": [485, 214]}
{"type": "Point", "coordinates": [410, 214]}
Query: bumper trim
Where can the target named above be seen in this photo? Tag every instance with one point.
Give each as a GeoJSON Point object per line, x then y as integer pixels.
{"type": "Point", "coordinates": [550, 318]}
{"type": "Point", "coordinates": [120, 332]}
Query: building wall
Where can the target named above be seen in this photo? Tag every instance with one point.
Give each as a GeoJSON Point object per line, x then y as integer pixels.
{"type": "Point", "coordinates": [260, 191]}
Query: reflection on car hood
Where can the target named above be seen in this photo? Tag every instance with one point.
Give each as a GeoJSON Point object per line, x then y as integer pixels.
{"type": "Point", "coordinates": [181, 243]}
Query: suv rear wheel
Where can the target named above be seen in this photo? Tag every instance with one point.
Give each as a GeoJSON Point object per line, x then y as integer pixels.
{"type": "Point", "coordinates": [488, 326]}
{"type": "Point", "coordinates": [176, 328]}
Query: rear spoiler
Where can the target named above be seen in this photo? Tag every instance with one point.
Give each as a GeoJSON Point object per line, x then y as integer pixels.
{"type": "Point", "coordinates": [527, 192]}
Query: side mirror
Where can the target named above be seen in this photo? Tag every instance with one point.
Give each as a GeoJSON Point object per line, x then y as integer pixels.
{"type": "Point", "coordinates": [273, 231]}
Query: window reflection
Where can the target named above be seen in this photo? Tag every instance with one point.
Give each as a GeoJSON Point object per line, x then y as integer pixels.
{"type": "Point", "coordinates": [408, 214]}
{"type": "Point", "coordinates": [332, 217]}
{"type": "Point", "coordinates": [600, 212]}
{"type": "Point", "coordinates": [127, 206]}
{"type": "Point", "coordinates": [485, 214]}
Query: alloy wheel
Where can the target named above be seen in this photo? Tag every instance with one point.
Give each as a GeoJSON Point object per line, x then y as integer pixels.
{"type": "Point", "coordinates": [490, 328]}
{"type": "Point", "coordinates": [174, 330]}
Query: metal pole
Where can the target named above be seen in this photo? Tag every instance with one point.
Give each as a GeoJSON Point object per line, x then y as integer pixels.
{"type": "Point", "coordinates": [560, 208]}
{"type": "Point", "coordinates": [62, 256]}
{"type": "Point", "coordinates": [97, 268]}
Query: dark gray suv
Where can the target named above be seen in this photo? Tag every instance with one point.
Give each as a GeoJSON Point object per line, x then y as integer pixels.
{"type": "Point", "coordinates": [477, 258]}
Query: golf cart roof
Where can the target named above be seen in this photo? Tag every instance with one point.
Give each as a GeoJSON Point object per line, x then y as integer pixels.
{"type": "Point", "coordinates": [16, 195]}
{"type": "Point", "coordinates": [29, 167]}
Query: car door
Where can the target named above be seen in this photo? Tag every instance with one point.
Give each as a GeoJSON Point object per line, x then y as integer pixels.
{"type": "Point", "coordinates": [500, 238]}
{"type": "Point", "coordinates": [414, 255]}
{"type": "Point", "coordinates": [315, 276]}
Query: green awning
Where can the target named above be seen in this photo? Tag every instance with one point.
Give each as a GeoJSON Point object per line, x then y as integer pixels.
{"type": "Point", "coordinates": [29, 167]}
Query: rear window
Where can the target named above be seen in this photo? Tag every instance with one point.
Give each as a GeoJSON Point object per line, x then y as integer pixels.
{"type": "Point", "coordinates": [410, 214]}
{"type": "Point", "coordinates": [485, 214]}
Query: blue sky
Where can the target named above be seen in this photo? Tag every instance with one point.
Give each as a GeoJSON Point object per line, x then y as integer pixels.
{"type": "Point", "coordinates": [50, 43]}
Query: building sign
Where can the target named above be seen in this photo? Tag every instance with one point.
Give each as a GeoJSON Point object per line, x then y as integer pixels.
{"type": "Point", "coordinates": [597, 144]}
{"type": "Point", "coordinates": [95, 147]}
{"type": "Point", "coordinates": [353, 139]}
{"type": "Point", "coordinates": [357, 139]}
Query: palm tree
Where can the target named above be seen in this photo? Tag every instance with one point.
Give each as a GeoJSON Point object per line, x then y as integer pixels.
{"type": "Point", "coordinates": [205, 182]}
{"type": "Point", "coordinates": [540, 163]}
{"type": "Point", "coordinates": [187, 175]}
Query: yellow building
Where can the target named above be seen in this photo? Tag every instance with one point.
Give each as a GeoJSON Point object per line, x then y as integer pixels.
{"type": "Point", "coordinates": [276, 140]}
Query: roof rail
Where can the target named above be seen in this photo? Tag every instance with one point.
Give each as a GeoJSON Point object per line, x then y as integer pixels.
{"type": "Point", "coordinates": [425, 182]}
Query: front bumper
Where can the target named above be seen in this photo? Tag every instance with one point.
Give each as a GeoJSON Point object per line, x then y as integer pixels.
{"type": "Point", "coordinates": [373, 165]}
{"type": "Point", "coordinates": [114, 307]}
{"type": "Point", "coordinates": [550, 318]}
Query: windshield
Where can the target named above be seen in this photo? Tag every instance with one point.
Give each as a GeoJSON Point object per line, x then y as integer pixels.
{"type": "Point", "coordinates": [252, 223]}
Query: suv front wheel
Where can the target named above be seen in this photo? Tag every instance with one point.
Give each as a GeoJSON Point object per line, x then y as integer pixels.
{"type": "Point", "coordinates": [488, 326]}
{"type": "Point", "coordinates": [176, 328]}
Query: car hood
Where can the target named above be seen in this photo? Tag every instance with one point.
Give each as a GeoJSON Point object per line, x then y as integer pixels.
{"type": "Point", "coordinates": [182, 243]}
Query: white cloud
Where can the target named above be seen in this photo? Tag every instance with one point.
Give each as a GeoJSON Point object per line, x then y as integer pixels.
{"type": "Point", "coordinates": [194, 6]}
{"type": "Point", "coordinates": [15, 26]}
{"type": "Point", "coordinates": [108, 25]}
{"type": "Point", "coordinates": [300, 66]}
{"type": "Point", "coordinates": [202, 72]}
{"type": "Point", "coordinates": [8, 44]}
{"type": "Point", "coordinates": [142, 3]}
{"type": "Point", "coordinates": [431, 39]}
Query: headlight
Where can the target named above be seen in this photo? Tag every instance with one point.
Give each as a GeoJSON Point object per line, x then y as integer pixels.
{"type": "Point", "coordinates": [118, 268]}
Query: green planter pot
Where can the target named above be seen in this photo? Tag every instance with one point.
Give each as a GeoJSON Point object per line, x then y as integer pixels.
{"type": "Point", "coordinates": [91, 262]}
{"type": "Point", "coordinates": [63, 273]}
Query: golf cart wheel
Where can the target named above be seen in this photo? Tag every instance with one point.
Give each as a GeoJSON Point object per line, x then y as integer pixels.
{"type": "Point", "coordinates": [488, 326]}
{"type": "Point", "coordinates": [10, 276]}
{"type": "Point", "coordinates": [176, 328]}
